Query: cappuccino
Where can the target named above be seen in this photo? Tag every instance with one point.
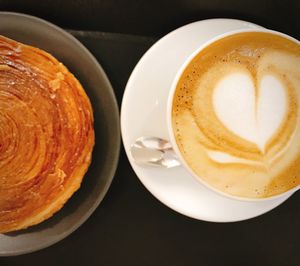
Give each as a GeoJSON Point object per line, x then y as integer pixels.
{"type": "Point", "coordinates": [236, 114]}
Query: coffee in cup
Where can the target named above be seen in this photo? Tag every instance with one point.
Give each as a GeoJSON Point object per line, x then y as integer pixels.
{"type": "Point", "coordinates": [236, 114]}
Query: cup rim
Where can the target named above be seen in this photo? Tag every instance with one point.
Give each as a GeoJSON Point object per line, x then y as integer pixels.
{"type": "Point", "coordinates": [169, 115]}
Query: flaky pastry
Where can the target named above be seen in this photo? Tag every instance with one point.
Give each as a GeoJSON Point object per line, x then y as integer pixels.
{"type": "Point", "coordinates": [46, 135]}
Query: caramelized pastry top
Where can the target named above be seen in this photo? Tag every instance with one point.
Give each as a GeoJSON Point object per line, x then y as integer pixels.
{"type": "Point", "coordinates": [46, 135]}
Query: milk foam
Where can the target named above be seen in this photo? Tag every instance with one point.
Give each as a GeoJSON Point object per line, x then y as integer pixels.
{"type": "Point", "coordinates": [252, 113]}
{"type": "Point", "coordinates": [236, 115]}
{"type": "Point", "coordinates": [222, 157]}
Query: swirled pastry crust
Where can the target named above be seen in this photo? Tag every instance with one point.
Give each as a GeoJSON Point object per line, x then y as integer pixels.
{"type": "Point", "coordinates": [46, 135]}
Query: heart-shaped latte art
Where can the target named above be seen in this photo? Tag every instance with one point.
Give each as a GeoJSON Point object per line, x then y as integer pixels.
{"type": "Point", "coordinates": [236, 115]}
{"type": "Point", "coordinates": [252, 111]}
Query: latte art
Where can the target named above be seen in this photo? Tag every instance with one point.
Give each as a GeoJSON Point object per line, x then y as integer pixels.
{"type": "Point", "coordinates": [236, 114]}
{"type": "Point", "coordinates": [252, 113]}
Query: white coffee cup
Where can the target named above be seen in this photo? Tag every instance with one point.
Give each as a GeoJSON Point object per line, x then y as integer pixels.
{"type": "Point", "coordinates": [169, 115]}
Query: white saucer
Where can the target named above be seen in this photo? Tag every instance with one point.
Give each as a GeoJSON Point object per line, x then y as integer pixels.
{"type": "Point", "coordinates": [144, 114]}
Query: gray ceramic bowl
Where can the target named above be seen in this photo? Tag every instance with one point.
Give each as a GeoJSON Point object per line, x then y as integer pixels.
{"type": "Point", "coordinates": [78, 59]}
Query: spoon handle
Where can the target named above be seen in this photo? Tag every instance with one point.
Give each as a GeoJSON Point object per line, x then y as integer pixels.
{"type": "Point", "coordinates": [154, 151]}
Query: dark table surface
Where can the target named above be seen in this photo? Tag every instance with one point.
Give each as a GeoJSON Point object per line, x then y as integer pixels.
{"type": "Point", "coordinates": [131, 227]}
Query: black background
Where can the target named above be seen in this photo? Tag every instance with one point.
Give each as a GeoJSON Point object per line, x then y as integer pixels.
{"type": "Point", "coordinates": [131, 227]}
{"type": "Point", "coordinates": [157, 17]}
